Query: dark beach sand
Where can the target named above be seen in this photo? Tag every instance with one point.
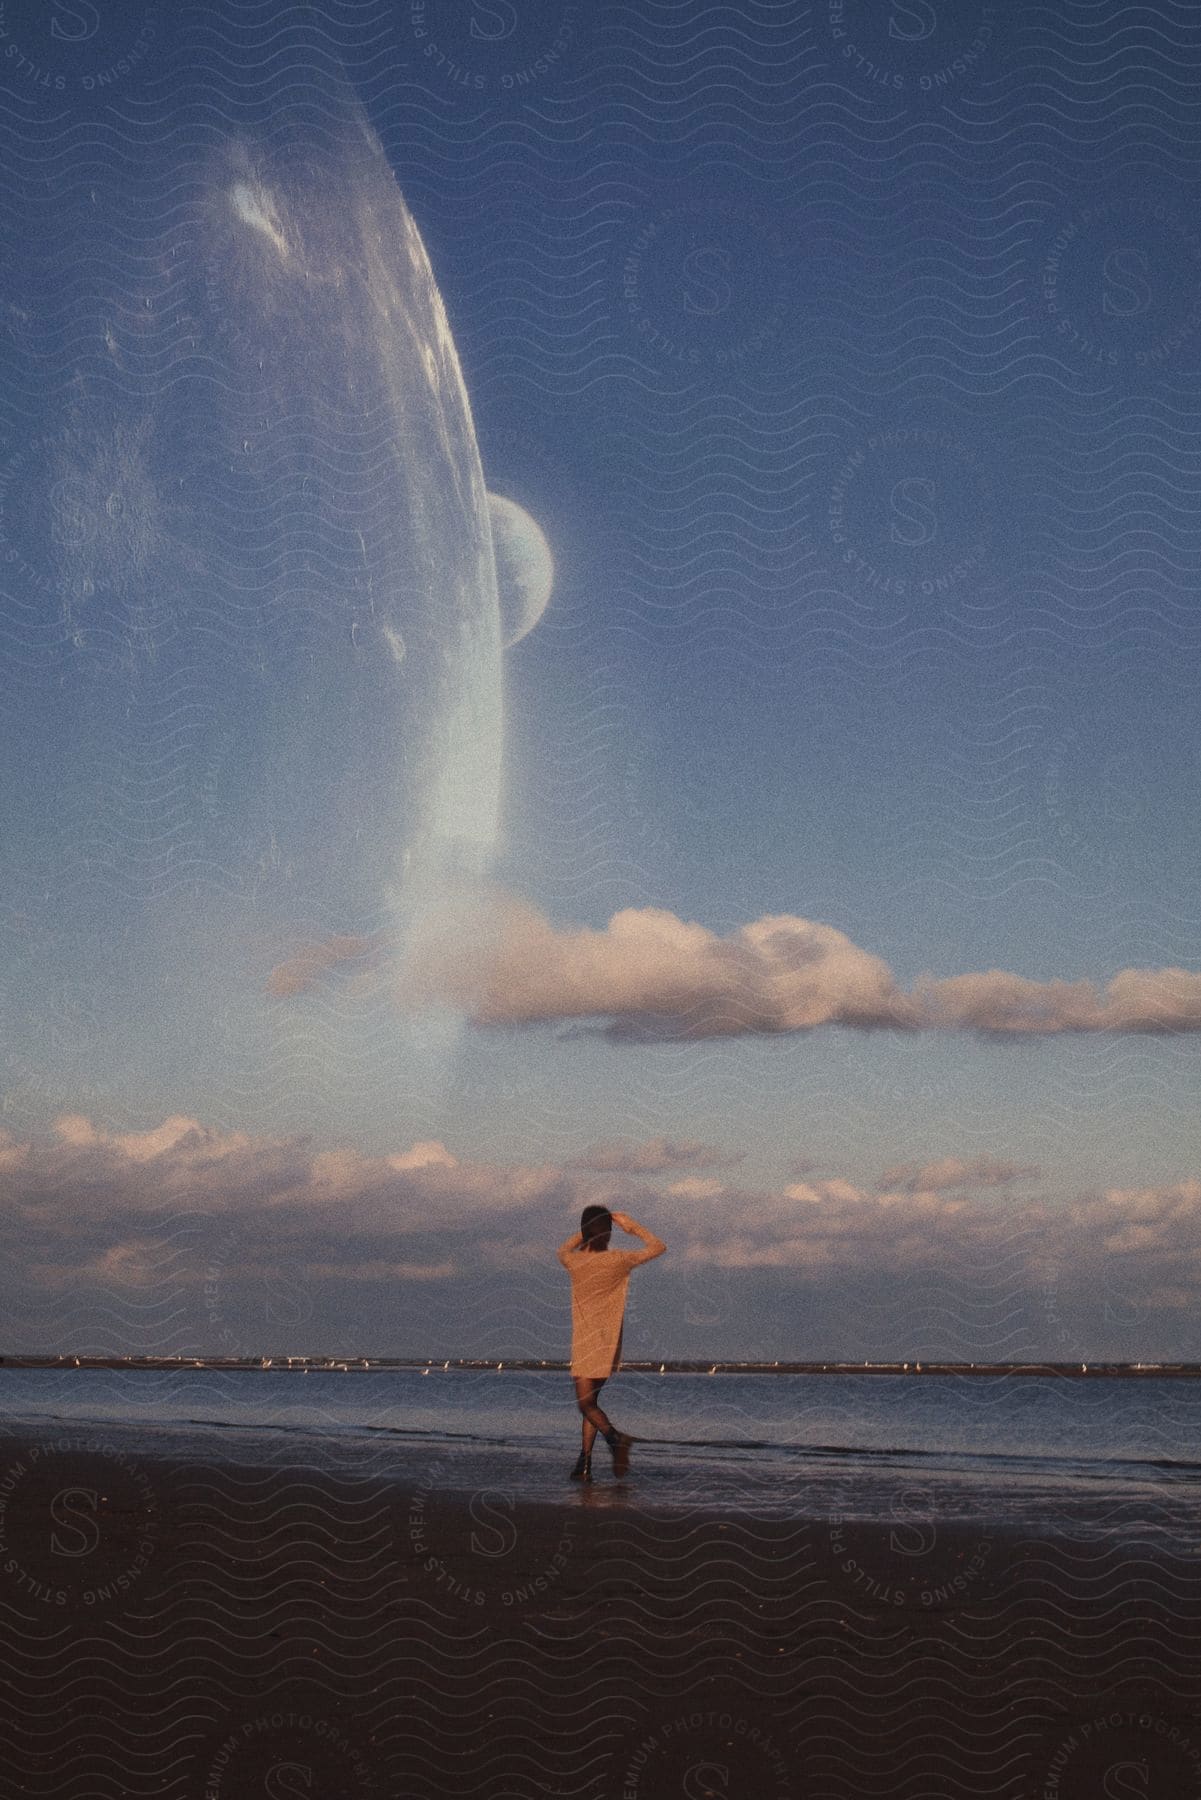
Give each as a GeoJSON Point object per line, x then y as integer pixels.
{"type": "Point", "coordinates": [174, 1625]}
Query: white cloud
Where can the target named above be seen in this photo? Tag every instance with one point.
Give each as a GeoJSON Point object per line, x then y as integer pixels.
{"type": "Point", "coordinates": [649, 975]}
{"type": "Point", "coordinates": [425, 1155]}
{"type": "Point", "coordinates": [652, 974]}
{"type": "Point", "coordinates": [85, 1175]}
{"type": "Point", "coordinates": [1134, 1000]}
{"type": "Point", "coordinates": [184, 1136]}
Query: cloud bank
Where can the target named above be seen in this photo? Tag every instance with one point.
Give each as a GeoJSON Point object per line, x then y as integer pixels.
{"type": "Point", "coordinates": [422, 1213]}
{"type": "Point", "coordinates": [185, 1236]}
{"type": "Point", "coordinates": [650, 976]}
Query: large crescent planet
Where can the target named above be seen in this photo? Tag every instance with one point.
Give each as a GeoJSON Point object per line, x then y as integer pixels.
{"type": "Point", "coordinates": [525, 569]}
{"type": "Point", "coordinates": [249, 629]}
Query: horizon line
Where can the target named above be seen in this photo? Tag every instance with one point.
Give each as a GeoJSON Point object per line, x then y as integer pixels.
{"type": "Point", "coordinates": [323, 1363]}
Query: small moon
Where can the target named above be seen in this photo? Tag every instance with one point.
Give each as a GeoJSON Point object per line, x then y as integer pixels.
{"type": "Point", "coordinates": [525, 569]}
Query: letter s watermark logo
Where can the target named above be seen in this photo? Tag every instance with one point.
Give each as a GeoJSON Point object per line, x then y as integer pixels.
{"type": "Point", "coordinates": [84, 1523]}
{"type": "Point", "coordinates": [280, 1785]}
{"type": "Point", "coordinates": [74, 23]}
{"type": "Point", "coordinates": [1125, 290]}
{"type": "Point", "coordinates": [703, 1781]}
{"type": "Point", "coordinates": [287, 1302]}
{"type": "Point", "coordinates": [914, 521]}
{"type": "Point", "coordinates": [1126, 1781]}
{"type": "Point", "coordinates": [493, 20]}
{"type": "Point", "coordinates": [74, 520]}
{"type": "Point", "coordinates": [498, 1523]}
{"type": "Point", "coordinates": [912, 1539]}
{"type": "Point", "coordinates": [912, 21]}
{"type": "Point", "coordinates": [708, 268]}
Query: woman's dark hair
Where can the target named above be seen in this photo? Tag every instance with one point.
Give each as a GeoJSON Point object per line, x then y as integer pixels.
{"type": "Point", "coordinates": [595, 1221]}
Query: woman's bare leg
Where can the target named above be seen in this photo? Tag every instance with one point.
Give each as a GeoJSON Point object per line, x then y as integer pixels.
{"type": "Point", "coordinates": [594, 1420]}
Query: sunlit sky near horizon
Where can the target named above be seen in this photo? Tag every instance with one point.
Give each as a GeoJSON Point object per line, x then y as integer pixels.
{"type": "Point", "coordinates": [842, 920]}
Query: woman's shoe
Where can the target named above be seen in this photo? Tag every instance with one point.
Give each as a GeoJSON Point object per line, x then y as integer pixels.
{"type": "Point", "coordinates": [619, 1444]}
{"type": "Point", "coordinates": [583, 1468]}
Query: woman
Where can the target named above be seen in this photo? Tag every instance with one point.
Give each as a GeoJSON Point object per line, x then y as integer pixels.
{"type": "Point", "coordinates": [599, 1279]}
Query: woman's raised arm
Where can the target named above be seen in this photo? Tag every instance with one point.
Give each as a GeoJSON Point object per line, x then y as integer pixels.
{"type": "Point", "coordinates": [654, 1246]}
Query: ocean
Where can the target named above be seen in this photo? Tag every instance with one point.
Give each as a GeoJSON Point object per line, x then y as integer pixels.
{"type": "Point", "coordinates": [1042, 1453]}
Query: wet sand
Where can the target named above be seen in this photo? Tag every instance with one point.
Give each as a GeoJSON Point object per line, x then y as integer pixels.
{"type": "Point", "coordinates": [179, 1625]}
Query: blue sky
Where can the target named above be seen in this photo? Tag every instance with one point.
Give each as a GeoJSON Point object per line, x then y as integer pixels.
{"type": "Point", "coordinates": [857, 395]}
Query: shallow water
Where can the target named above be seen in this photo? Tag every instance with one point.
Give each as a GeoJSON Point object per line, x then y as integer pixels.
{"type": "Point", "coordinates": [1027, 1451]}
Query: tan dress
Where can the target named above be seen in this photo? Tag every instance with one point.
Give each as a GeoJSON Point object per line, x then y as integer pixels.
{"type": "Point", "coordinates": [599, 1279]}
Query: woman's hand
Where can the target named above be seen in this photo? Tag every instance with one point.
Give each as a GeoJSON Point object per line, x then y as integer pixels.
{"type": "Point", "coordinates": [623, 1221]}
